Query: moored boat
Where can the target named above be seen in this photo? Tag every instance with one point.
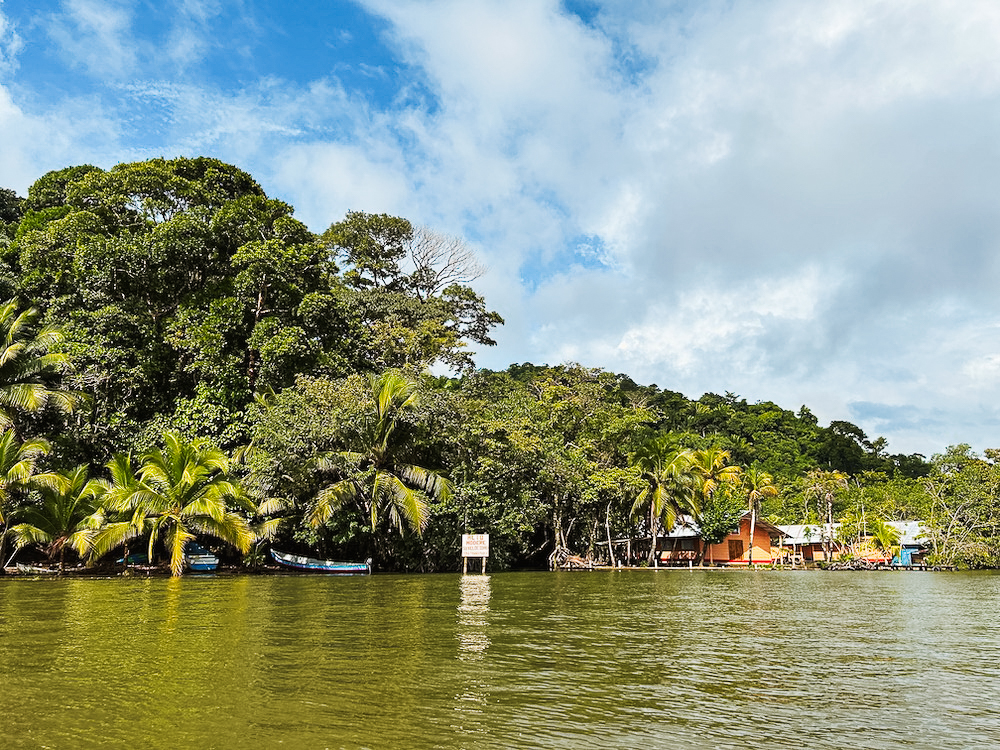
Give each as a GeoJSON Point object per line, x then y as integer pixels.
{"type": "Point", "coordinates": [35, 570]}
{"type": "Point", "coordinates": [311, 564]}
{"type": "Point", "coordinates": [200, 560]}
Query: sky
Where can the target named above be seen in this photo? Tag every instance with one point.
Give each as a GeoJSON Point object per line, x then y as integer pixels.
{"type": "Point", "coordinates": [792, 202]}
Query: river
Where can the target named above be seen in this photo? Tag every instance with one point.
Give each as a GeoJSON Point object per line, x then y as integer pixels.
{"type": "Point", "coordinates": [623, 659]}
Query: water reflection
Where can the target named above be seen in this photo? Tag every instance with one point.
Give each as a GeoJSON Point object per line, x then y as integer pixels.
{"type": "Point", "coordinates": [473, 610]}
{"type": "Point", "coordinates": [473, 642]}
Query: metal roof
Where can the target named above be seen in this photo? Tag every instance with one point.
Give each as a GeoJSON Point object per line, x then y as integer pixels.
{"type": "Point", "coordinates": [687, 528]}
{"type": "Point", "coordinates": [911, 533]}
{"type": "Point", "coordinates": [808, 533]}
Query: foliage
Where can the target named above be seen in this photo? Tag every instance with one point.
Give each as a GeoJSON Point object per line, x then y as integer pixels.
{"type": "Point", "coordinates": [186, 303]}
{"type": "Point", "coordinates": [65, 517]}
{"type": "Point", "coordinates": [30, 372]}
{"type": "Point", "coordinates": [884, 536]}
{"type": "Point", "coordinates": [670, 485]}
{"type": "Point", "coordinates": [720, 514]}
{"type": "Point", "coordinates": [181, 491]}
{"type": "Point", "coordinates": [964, 522]}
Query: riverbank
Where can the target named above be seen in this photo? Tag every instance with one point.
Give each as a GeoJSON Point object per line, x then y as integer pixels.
{"type": "Point", "coordinates": [163, 571]}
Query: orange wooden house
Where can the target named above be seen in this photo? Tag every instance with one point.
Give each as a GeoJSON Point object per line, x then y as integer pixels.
{"type": "Point", "coordinates": [683, 545]}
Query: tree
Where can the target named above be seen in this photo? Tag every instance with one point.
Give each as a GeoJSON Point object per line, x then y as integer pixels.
{"type": "Point", "coordinates": [373, 246]}
{"type": "Point", "coordinates": [65, 517]}
{"type": "Point", "coordinates": [964, 521]}
{"type": "Point", "coordinates": [30, 372]}
{"type": "Point", "coordinates": [758, 485]}
{"type": "Point", "coordinates": [711, 467]}
{"type": "Point", "coordinates": [670, 485]}
{"type": "Point", "coordinates": [719, 513]}
{"type": "Point", "coordinates": [372, 475]}
{"type": "Point", "coordinates": [11, 206]}
{"type": "Point", "coordinates": [181, 491]}
{"type": "Point", "coordinates": [400, 319]}
{"type": "Point", "coordinates": [824, 485]}
{"type": "Point", "coordinates": [17, 465]}
{"type": "Point", "coordinates": [440, 261]}
{"type": "Point", "coordinates": [885, 537]}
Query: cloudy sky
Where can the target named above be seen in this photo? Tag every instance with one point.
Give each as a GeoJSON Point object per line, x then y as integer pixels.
{"type": "Point", "coordinates": [790, 201]}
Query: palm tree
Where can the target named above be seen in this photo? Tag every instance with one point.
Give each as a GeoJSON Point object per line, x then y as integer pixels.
{"type": "Point", "coordinates": [29, 370]}
{"type": "Point", "coordinates": [17, 465]}
{"type": "Point", "coordinates": [67, 516]}
{"type": "Point", "coordinates": [372, 476]}
{"type": "Point", "coordinates": [181, 491]}
{"type": "Point", "coordinates": [669, 490]}
{"type": "Point", "coordinates": [758, 485]}
{"type": "Point", "coordinates": [823, 485]}
{"type": "Point", "coordinates": [711, 468]}
{"type": "Point", "coordinates": [886, 537]}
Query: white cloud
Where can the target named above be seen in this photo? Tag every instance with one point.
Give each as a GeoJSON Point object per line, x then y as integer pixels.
{"type": "Point", "coordinates": [331, 179]}
{"type": "Point", "coordinates": [97, 35]}
{"type": "Point", "coordinates": [795, 201]}
{"type": "Point", "coordinates": [10, 46]}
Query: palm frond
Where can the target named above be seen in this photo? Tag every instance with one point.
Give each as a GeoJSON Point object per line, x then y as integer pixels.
{"type": "Point", "coordinates": [429, 481]}
{"type": "Point", "coordinates": [402, 502]}
{"type": "Point", "coordinates": [230, 528]}
{"type": "Point", "coordinates": [331, 499]}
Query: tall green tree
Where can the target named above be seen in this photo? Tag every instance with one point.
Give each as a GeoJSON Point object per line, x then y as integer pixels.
{"type": "Point", "coordinates": [712, 468]}
{"type": "Point", "coordinates": [18, 462]}
{"type": "Point", "coordinates": [758, 485]}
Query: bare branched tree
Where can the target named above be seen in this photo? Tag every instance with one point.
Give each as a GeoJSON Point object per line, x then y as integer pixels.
{"type": "Point", "coordinates": [440, 260]}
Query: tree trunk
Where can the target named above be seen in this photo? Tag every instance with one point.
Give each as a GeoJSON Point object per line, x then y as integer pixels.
{"type": "Point", "coordinates": [652, 536]}
{"type": "Point", "coordinates": [607, 528]}
{"type": "Point", "coordinates": [828, 542]}
{"type": "Point", "coordinates": [753, 524]}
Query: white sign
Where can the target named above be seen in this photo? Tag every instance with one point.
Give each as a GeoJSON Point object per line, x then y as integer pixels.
{"type": "Point", "coordinates": [475, 545]}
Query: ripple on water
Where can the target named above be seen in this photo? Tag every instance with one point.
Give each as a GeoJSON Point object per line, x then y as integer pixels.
{"type": "Point", "coordinates": [616, 659]}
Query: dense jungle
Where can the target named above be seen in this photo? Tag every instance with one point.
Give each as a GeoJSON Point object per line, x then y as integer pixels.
{"type": "Point", "coordinates": [182, 359]}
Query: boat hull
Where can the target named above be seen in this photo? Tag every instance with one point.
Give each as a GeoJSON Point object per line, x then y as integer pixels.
{"type": "Point", "coordinates": [202, 563]}
{"type": "Point", "coordinates": [35, 570]}
{"type": "Point", "coordinates": [200, 560]}
{"type": "Point", "coordinates": [312, 565]}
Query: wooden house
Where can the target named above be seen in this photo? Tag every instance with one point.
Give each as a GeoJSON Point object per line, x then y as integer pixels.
{"type": "Point", "coordinates": [684, 545]}
{"type": "Point", "coordinates": [807, 542]}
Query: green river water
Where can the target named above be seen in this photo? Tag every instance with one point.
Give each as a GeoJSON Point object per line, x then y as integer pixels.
{"type": "Point", "coordinates": [624, 659]}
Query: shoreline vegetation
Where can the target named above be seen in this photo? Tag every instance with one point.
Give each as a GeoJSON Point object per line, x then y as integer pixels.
{"type": "Point", "coordinates": [184, 361]}
{"type": "Point", "coordinates": [104, 572]}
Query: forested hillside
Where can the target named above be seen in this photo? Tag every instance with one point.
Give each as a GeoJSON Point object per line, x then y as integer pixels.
{"type": "Point", "coordinates": [184, 359]}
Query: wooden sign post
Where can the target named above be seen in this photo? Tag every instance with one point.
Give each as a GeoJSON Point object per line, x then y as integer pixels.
{"type": "Point", "coordinates": [475, 545]}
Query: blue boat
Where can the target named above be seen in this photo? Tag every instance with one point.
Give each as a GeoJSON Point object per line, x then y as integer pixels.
{"type": "Point", "coordinates": [312, 565]}
{"type": "Point", "coordinates": [197, 559]}
{"type": "Point", "coordinates": [136, 558]}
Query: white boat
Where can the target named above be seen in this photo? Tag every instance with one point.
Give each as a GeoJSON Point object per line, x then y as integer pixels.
{"type": "Point", "coordinates": [200, 560]}
{"type": "Point", "coordinates": [311, 564]}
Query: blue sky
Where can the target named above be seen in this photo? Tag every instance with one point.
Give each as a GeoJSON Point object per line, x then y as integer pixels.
{"type": "Point", "coordinates": [789, 201]}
